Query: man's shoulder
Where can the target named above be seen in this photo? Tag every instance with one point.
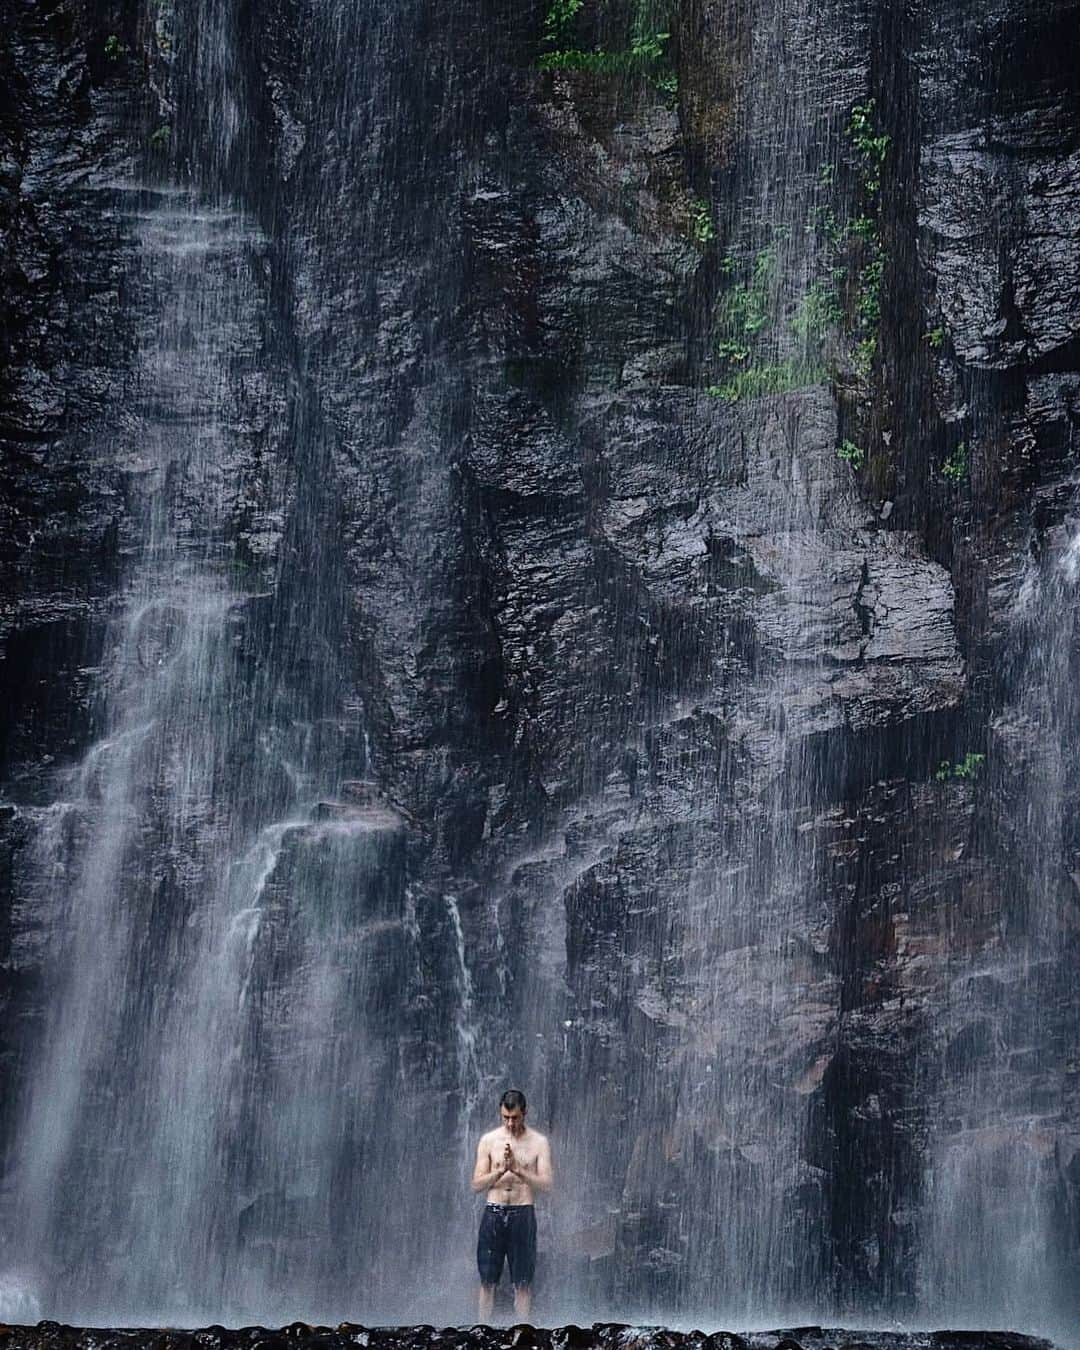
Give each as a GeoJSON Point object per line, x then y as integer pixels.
{"type": "Point", "coordinates": [536, 1137]}
{"type": "Point", "coordinates": [490, 1136]}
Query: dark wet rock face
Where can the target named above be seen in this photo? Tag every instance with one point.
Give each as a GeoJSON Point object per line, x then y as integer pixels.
{"type": "Point", "coordinates": [426, 666]}
{"type": "Point", "coordinates": [599, 1336]}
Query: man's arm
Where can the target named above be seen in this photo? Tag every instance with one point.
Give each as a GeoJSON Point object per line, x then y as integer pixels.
{"type": "Point", "coordinates": [486, 1173]}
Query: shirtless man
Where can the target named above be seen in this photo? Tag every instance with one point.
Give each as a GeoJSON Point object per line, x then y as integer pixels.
{"type": "Point", "coordinates": [512, 1164]}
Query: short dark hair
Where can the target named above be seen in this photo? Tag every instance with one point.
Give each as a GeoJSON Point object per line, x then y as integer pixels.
{"type": "Point", "coordinates": [513, 1100]}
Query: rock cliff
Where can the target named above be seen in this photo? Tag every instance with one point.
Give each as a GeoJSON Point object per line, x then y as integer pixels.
{"type": "Point", "coordinates": [638, 478]}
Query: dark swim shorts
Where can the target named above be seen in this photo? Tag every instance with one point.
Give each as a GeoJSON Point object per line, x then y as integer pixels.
{"type": "Point", "coordinates": [507, 1233]}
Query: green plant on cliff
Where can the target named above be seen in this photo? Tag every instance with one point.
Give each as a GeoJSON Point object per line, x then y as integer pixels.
{"type": "Point", "coordinates": [967, 767]}
{"type": "Point", "coordinates": [648, 47]}
{"type": "Point", "coordinates": [935, 338]}
{"type": "Point", "coordinates": [592, 63]}
{"type": "Point", "coordinates": [819, 310]}
{"type": "Point", "coordinates": [846, 293]}
{"type": "Point", "coordinates": [702, 229]}
{"type": "Point", "coordinates": [955, 466]}
{"type": "Point", "coordinates": [862, 237]}
{"type": "Point", "coordinates": [757, 380]}
{"type": "Point", "coordinates": [868, 295]}
{"type": "Point", "coordinates": [645, 50]}
{"type": "Point", "coordinates": [862, 357]}
{"type": "Point", "coordinates": [114, 48]}
{"type": "Point", "coordinates": [853, 454]}
{"type": "Point", "coordinates": [749, 331]}
{"type": "Point", "coordinates": [744, 310]}
{"type": "Point", "coordinates": [560, 20]}
{"type": "Point", "coordinates": [648, 37]}
{"type": "Point", "coordinates": [667, 84]}
{"type": "Point", "coordinates": [733, 349]}
{"type": "Point", "coordinates": [742, 314]}
{"type": "Point", "coordinates": [869, 143]}
{"type": "Point", "coordinates": [598, 62]}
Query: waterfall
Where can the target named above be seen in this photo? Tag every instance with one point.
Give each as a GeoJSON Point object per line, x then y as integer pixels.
{"type": "Point", "coordinates": [996, 1242]}
{"type": "Point", "coordinates": [217, 902]}
{"type": "Point", "coordinates": [130, 922]}
{"type": "Point", "coordinates": [749, 1229]}
{"type": "Point", "coordinates": [723, 958]}
{"type": "Point", "coordinates": [1001, 1140]}
{"type": "Point", "coordinates": [212, 1123]}
{"type": "Point", "coordinates": [225, 917]}
{"type": "Point", "coordinates": [515, 671]}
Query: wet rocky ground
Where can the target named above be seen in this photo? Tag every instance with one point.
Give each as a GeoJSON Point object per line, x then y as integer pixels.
{"type": "Point", "coordinates": [600, 1336]}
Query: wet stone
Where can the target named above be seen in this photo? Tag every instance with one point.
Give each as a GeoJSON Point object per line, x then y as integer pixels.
{"type": "Point", "coordinates": [602, 1336]}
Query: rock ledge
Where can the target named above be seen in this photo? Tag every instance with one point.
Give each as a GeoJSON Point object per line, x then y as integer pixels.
{"type": "Point", "coordinates": [600, 1336]}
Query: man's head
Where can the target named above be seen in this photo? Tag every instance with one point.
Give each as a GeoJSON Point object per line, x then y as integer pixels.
{"type": "Point", "coordinates": [512, 1110]}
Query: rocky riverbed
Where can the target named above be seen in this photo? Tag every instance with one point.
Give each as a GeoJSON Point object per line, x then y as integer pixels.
{"type": "Point", "coordinates": [599, 1336]}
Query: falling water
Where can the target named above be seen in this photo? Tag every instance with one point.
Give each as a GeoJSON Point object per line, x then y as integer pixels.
{"type": "Point", "coordinates": [465, 1024]}
{"type": "Point", "coordinates": [112, 1053]}
{"type": "Point", "coordinates": [719, 1206]}
{"type": "Point", "coordinates": [218, 900]}
{"type": "Point", "coordinates": [271, 1040]}
{"type": "Point", "coordinates": [213, 1124]}
{"type": "Point", "coordinates": [997, 1244]}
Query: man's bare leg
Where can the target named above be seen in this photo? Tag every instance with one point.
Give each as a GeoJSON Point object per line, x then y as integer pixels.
{"type": "Point", "coordinates": [522, 1301]}
{"type": "Point", "coordinates": [485, 1302]}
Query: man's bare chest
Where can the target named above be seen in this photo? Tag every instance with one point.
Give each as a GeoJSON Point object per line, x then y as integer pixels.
{"type": "Point", "coordinates": [525, 1153]}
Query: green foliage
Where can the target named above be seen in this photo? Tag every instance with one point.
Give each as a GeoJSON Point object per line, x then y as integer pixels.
{"type": "Point", "coordinates": [114, 48]}
{"type": "Point", "coordinates": [731, 349]}
{"type": "Point", "coordinates": [868, 299]}
{"type": "Point", "coordinates": [647, 41]}
{"type": "Point", "coordinates": [935, 339]}
{"type": "Point", "coordinates": [854, 454]}
{"type": "Point", "coordinates": [744, 311]}
{"type": "Point", "coordinates": [837, 232]}
{"type": "Point", "coordinates": [668, 85]}
{"type": "Point", "coordinates": [159, 139]}
{"type": "Point", "coordinates": [853, 245]}
{"type": "Point", "coordinates": [756, 381]}
{"type": "Point", "coordinates": [827, 224]}
{"type": "Point", "coordinates": [863, 356]}
{"type": "Point", "coordinates": [819, 310]}
{"type": "Point", "coordinates": [646, 47]}
{"type": "Point", "coordinates": [870, 144]}
{"type": "Point", "coordinates": [594, 63]}
{"type": "Point", "coordinates": [559, 21]}
{"type": "Point", "coordinates": [702, 229]}
{"type": "Point", "coordinates": [955, 467]}
{"type": "Point", "coordinates": [746, 321]}
{"type": "Point", "coordinates": [967, 767]}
